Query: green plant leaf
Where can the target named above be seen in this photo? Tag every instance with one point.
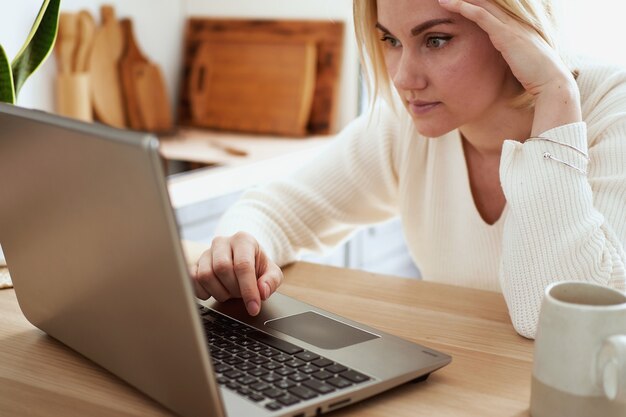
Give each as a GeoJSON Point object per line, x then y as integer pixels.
{"type": "Point", "coordinates": [7, 94]}
{"type": "Point", "coordinates": [38, 45]}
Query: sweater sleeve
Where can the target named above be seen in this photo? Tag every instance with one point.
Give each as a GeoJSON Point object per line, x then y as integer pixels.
{"type": "Point", "coordinates": [563, 224]}
{"type": "Point", "coordinates": [350, 183]}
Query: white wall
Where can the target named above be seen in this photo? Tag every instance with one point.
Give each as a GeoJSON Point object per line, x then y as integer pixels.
{"type": "Point", "coordinates": [594, 28]}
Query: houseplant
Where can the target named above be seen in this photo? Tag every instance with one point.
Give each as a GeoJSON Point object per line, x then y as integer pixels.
{"type": "Point", "coordinates": [34, 52]}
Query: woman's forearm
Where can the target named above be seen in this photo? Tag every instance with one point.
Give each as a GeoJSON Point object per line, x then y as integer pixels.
{"type": "Point", "coordinates": [558, 104]}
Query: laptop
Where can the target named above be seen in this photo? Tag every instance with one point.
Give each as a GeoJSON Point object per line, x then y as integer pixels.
{"type": "Point", "coordinates": [93, 247]}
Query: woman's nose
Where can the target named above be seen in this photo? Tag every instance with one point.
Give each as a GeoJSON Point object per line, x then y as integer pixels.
{"type": "Point", "coordinates": [409, 74]}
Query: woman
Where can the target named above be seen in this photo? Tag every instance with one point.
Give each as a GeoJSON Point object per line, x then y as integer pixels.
{"type": "Point", "coordinates": [506, 166]}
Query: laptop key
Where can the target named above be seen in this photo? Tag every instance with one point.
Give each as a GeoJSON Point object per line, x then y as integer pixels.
{"type": "Point", "coordinates": [273, 406]}
{"type": "Point", "coordinates": [272, 365]}
{"type": "Point", "coordinates": [288, 399]}
{"type": "Point", "coordinates": [282, 358]}
{"type": "Point", "coordinates": [275, 342]}
{"type": "Point", "coordinates": [258, 372]}
{"type": "Point", "coordinates": [220, 355]}
{"type": "Point", "coordinates": [307, 356]}
{"type": "Point", "coordinates": [233, 374]}
{"type": "Point", "coordinates": [322, 375]}
{"type": "Point", "coordinates": [235, 349]}
{"type": "Point", "coordinates": [246, 380]}
{"type": "Point", "coordinates": [260, 386]}
{"type": "Point", "coordinates": [257, 347]}
{"type": "Point", "coordinates": [233, 360]}
{"type": "Point", "coordinates": [246, 342]}
{"type": "Point", "coordinates": [223, 344]}
{"type": "Point", "coordinates": [322, 362]}
{"type": "Point", "coordinates": [284, 384]}
{"type": "Point", "coordinates": [233, 385]}
{"type": "Point", "coordinates": [335, 369]}
{"type": "Point", "coordinates": [308, 369]}
{"type": "Point", "coordinates": [298, 377]}
{"type": "Point", "coordinates": [258, 360]}
{"type": "Point", "coordinates": [256, 397]}
{"type": "Point", "coordinates": [271, 378]}
{"type": "Point", "coordinates": [246, 366]}
{"type": "Point", "coordinates": [269, 352]}
{"type": "Point", "coordinates": [303, 392]}
{"type": "Point", "coordinates": [273, 392]}
{"type": "Point", "coordinates": [294, 363]}
{"type": "Point", "coordinates": [318, 386]}
{"type": "Point", "coordinates": [246, 355]}
{"type": "Point", "coordinates": [339, 382]}
{"type": "Point", "coordinates": [354, 376]}
{"type": "Point", "coordinates": [284, 371]}
{"type": "Point", "coordinates": [222, 368]}
{"type": "Point", "coordinates": [234, 324]}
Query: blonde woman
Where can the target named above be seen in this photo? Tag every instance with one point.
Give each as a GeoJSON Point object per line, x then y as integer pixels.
{"type": "Point", "coordinates": [506, 166]}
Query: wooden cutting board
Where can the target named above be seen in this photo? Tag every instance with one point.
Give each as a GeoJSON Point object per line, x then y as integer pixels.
{"type": "Point", "coordinates": [143, 87]}
{"type": "Point", "coordinates": [103, 63]}
{"type": "Point", "coordinates": [326, 35]}
{"type": "Point", "coordinates": [253, 85]}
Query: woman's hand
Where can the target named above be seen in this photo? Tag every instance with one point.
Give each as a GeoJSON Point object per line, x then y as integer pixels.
{"type": "Point", "coordinates": [236, 267]}
{"type": "Point", "coordinates": [534, 63]}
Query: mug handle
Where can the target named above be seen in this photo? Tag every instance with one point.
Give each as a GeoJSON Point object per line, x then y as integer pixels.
{"type": "Point", "coordinates": [611, 367]}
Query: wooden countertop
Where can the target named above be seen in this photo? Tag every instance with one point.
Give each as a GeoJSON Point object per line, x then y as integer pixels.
{"type": "Point", "coordinates": [266, 158]}
{"type": "Point", "coordinates": [489, 375]}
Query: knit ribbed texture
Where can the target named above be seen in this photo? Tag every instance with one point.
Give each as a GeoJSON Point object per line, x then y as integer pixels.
{"type": "Point", "coordinates": [558, 224]}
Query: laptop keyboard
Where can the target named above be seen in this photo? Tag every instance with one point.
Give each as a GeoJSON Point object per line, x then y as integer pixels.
{"type": "Point", "coordinates": [269, 371]}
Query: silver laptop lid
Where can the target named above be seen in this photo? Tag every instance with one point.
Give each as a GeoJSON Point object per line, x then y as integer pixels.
{"type": "Point", "coordinates": [86, 224]}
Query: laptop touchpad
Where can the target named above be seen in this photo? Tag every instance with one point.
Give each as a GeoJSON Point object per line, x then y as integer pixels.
{"type": "Point", "coordinates": [319, 330]}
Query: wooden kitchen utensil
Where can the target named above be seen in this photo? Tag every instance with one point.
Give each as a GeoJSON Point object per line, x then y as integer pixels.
{"type": "Point", "coordinates": [72, 89]}
{"type": "Point", "coordinates": [253, 85]}
{"type": "Point", "coordinates": [107, 49]}
{"type": "Point", "coordinates": [73, 96]}
{"type": "Point", "coordinates": [86, 32]}
{"type": "Point", "coordinates": [326, 35]}
{"type": "Point", "coordinates": [144, 91]}
{"type": "Point", "coordinates": [66, 42]}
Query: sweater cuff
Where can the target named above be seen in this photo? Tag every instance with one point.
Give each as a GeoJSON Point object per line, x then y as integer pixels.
{"type": "Point", "coordinates": [573, 134]}
{"type": "Point", "coordinates": [545, 189]}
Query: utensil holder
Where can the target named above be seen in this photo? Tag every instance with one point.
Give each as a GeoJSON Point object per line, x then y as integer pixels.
{"type": "Point", "coordinates": [73, 96]}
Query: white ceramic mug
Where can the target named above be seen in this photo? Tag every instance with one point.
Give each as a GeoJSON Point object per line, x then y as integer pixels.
{"type": "Point", "coordinates": [579, 365]}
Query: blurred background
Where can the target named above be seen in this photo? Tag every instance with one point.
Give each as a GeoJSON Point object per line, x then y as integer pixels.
{"type": "Point", "coordinates": [224, 165]}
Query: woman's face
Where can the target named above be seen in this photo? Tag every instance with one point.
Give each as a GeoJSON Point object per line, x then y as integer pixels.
{"type": "Point", "coordinates": [444, 66]}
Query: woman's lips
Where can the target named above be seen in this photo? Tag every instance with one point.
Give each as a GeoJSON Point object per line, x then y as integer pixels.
{"type": "Point", "coordinates": [422, 107]}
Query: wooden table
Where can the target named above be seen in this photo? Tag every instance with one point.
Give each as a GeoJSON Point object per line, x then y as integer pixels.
{"type": "Point", "coordinates": [489, 375]}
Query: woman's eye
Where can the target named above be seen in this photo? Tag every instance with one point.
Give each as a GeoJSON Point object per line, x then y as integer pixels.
{"type": "Point", "coordinates": [437, 42]}
{"type": "Point", "coordinates": [390, 41]}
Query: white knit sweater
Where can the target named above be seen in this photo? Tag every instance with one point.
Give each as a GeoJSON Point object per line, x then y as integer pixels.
{"type": "Point", "coordinates": [557, 223]}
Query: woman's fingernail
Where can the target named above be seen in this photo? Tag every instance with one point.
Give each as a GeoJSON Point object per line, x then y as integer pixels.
{"type": "Point", "coordinates": [266, 291]}
{"type": "Point", "coordinates": [253, 308]}
{"type": "Point", "coordinates": [444, 1]}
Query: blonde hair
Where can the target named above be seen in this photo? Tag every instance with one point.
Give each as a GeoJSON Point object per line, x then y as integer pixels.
{"type": "Point", "coordinates": [538, 14]}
